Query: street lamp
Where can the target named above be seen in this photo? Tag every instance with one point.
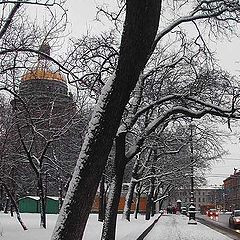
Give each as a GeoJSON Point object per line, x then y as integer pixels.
{"type": "Point", "coordinates": [192, 208]}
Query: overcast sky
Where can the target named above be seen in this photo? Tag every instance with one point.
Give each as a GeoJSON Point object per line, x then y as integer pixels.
{"type": "Point", "coordinates": [81, 16]}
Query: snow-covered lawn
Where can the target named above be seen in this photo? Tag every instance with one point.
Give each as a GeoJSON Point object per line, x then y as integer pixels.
{"type": "Point", "coordinates": [169, 227]}
{"type": "Point", "coordinates": [10, 229]}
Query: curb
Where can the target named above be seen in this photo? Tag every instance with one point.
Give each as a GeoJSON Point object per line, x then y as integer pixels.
{"type": "Point", "coordinates": [146, 231]}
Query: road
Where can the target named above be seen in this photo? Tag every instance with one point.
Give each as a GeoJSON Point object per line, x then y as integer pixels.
{"type": "Point", "coordinates": [220, 223]}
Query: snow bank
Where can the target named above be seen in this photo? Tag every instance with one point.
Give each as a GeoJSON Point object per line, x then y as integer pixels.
{"type": "Point", "coordinates": [11, 229]}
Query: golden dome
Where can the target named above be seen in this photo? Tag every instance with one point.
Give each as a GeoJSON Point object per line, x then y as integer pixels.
{"type": "Point", "coordinates": [43, 74]}
{"type": "Point", "coordinates": [44, 69]}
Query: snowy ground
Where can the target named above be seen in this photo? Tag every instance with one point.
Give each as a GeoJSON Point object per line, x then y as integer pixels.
{"type": "Point", "coordinates": [169, 227]}
{"type": "Point", "coordinates": [176, 227]}
{"type": "Point", "coordinates": [10, 229]}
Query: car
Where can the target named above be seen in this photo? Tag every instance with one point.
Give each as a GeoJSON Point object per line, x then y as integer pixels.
{"type": "Point", "coordinates": [212, 212]}
{"type": "Point", "coordinates": [234, 219]}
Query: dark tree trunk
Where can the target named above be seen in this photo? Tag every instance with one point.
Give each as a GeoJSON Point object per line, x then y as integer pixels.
{"type": "Point", "coordinates": [129, 197]}
{"type": "Point", "coordinates": [150, 197]}
{"type": "Point", "coordinates": [160, 204]}
{"type": "Point", "coordinates": [14, 204]}
{"type": "Point", "coordinates": [128, 203]}
{"type": "Point", "coordinates": [6, 205]}
{"type": "Point", "coordinates": [153, 208]}
{"type": "Point", "coordinates": [11, 210]}
{"type": "Point", "coordinates": [1, 198]}
{"type": "Point", "coordinates": [102, 201]}
{"type": "Point", "coordinates": [43, 221]}
{"type": "Point", "coordinates": [138, 196]}
{"type": "Point", "coordinates": [140, 28]}
{"type": "Point", "coordinates": [109, 226]}
{"type": "Point", "coordinates": [60, 192]}
{"type": "Point", "coordinates": [148, 207]}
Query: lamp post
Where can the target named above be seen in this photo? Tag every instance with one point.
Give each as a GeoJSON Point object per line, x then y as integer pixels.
{"type": "Point", "coordinates": [192, 208]}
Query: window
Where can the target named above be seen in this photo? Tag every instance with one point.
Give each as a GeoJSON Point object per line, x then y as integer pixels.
{"type": "Point", "coordinates": [199, 199]}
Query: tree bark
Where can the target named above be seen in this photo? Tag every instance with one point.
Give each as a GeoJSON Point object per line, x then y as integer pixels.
{"type": "Point", "coordinates": [43, 222]}
{"type": "Point", "coordinates": [138, 196]}
{"type": "Point", "coordinates": [129, 196]}
{"type": "Point", "coordinates": [15, 206]}
{"type": "Point", "coordinates": [141, 24]}
{"type": "Point", "coordinates": [150, 197]}
{"type": "Point", "coordinates": [6, 206]}
{"type": "Point", "coordinates": [102, 201]}
{"type": "Point", "coordinates": [1, 198]}
{"type": "Point", "coordinates": [109, 226]}
{"type": "Point", "coordinates": [128, 202]}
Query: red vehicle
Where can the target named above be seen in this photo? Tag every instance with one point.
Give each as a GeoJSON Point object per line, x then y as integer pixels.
{"type": "Point", "coordinates": [212, 212]}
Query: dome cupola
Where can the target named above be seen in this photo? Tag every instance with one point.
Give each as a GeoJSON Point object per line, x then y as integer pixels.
{"type": "Point", "coordinates": [44, 69]}
{"type": "Point", "coordinates": [44, 77]}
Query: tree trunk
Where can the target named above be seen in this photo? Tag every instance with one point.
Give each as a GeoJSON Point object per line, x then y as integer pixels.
{"type": "Point", "coordinates": [6, 205]}
{"type": "Point", "coordinates": [138, 197]}
{"type": "Point", "coordinates": [109, 226]}
{"type": "Point", "coordinates": [11, 210]}
{"type": "Point", "coordinates": [129, 196]}
{"type": "Point", "coordinates": [102, 201]}
{"type": "Point", "coordinates": [141, 24]}
{"type": "Point", "coordinates": [43, 222]}
{"type": "Point", "coordinates": [1, 198]}
{"type": "Point", "coordinates": [148, 207]}
{"type": "Point", "coordinates": [128, 202]}
{"type": "Point", "coordinates": [153, 208]}
{"type": "Point", "coordinates": [16, 207]}
{"type": "Point", "coordinates": [160, 204]}
{"type": "Point", "coordinates": [60, 194]}
{"type": "Point", "coordinates": [150, 197]}
{"type": "Point", "coordinates": [155, 195]}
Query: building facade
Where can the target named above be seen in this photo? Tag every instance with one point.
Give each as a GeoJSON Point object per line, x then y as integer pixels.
{"type": "Point", "coordinates": [232, 191]}
{"type": "Point", "coordinates": [204, 197]}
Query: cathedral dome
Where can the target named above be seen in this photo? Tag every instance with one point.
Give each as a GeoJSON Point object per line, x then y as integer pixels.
{"type": "Point", "coordinates": [44, 69]}
{"type": "Point", "coordinates": [43, 74]}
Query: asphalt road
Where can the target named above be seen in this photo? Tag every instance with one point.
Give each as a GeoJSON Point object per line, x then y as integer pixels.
{"type": "Point", "coordinates": [220, 224]}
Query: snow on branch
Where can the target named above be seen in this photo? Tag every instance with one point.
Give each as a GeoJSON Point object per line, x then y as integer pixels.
{"type": "Point", "coordinates": [48, 3]}
{"type": "Point", "coordinates": [177, 170]}
{"type": "Point", "coordinates": [222, 7]}
{"type": "Point", "coordinates": [161, 198]}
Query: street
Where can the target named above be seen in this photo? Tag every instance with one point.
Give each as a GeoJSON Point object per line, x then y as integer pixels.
{"type": "Point", "coordinates": [220, 223]}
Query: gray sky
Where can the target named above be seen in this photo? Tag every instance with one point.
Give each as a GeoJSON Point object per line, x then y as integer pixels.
{"type": "Point", "coordinates": [82, 14]}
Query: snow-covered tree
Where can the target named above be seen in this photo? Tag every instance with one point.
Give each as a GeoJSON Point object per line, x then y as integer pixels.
{"type": "Point", "coordinates": [138, 42]}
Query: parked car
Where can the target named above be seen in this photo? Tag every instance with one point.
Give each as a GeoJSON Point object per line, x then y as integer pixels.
{"type": "Point", "coordinates": [234, 219]}
{"type": "Point", "coordinates": [212, 212]}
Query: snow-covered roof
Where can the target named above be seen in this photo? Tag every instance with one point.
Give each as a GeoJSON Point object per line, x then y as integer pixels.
{"type": "Point", "coordinates": [53, 198]}
{"type": "Point", "coordinates": [34, 197]}
{"type": "Point", "coordinates": [37, 197]}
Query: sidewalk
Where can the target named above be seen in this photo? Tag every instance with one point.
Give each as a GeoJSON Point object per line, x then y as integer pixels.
{"type": "Point", "coordinates": [176, 227]}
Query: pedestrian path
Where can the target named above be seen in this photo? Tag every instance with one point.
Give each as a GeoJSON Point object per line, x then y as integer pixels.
{"type": "Point", "coordinates": [176, 227]}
